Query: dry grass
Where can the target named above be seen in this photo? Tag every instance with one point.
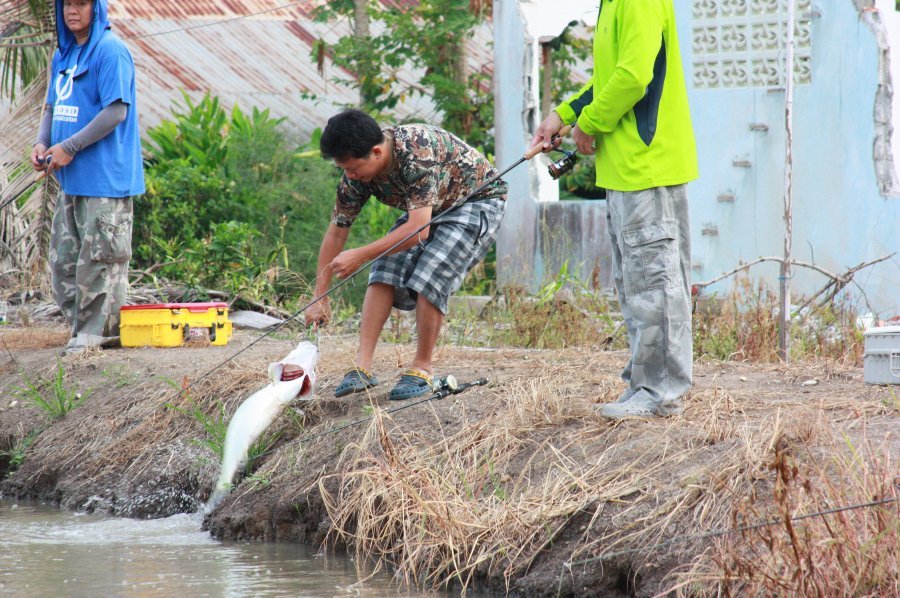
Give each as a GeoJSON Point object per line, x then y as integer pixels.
{"type": "Point", "coordinates": [26, 339]}
{"type": "Point", "coordinates": [780, 550]}
{"type": "Point", "coordinates": [509, 478]}
{"type": "Point", "coordinates": [125, 435]}
{"type": "Point", "coordinates": [443, 509]}
{"type": "Point", "coordinates": [744, 326]}
{"type": "Point", "coordinates": [441, 512]}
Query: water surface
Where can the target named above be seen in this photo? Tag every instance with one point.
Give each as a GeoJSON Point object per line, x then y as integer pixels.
{"type": "Point", "coordinates": [48, 552]}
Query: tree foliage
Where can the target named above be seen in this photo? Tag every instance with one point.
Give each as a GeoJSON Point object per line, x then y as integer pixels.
{"type": "Point", "coordinates": [224, 194]}
{"type": "Point", "coordinates": [430, 36]}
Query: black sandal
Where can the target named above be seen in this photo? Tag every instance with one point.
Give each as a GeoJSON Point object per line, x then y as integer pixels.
{"type": "Point", "coordinates": [355, 380]}
{"type": "Point", "coordinates": [413, 383]}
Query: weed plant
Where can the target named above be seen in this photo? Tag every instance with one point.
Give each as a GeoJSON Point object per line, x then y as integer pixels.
{"type": "Point", "coordinates": [15, 456]}
{"type": "Point", "coordinates": [744, 327]}
{"type": "Point", "coordinates": [565, 312]}
{"type": "Point", "coordinates": [56, 400]}
{"type": "Point", "coordinates": [852, 552]}
{"type": "Point", "coordinates": [216, 428]}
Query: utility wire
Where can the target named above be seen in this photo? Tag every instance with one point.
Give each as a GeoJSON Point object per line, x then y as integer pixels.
{"type": "Point", "coordinates": [724, 532]}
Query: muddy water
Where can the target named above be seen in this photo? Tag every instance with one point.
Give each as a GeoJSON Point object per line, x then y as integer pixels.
{"type": "Point", "coordinates": [47, 552]}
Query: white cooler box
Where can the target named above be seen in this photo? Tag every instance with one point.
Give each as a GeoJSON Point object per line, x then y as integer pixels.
{"type": "Point", "coordinates": [881, 362]}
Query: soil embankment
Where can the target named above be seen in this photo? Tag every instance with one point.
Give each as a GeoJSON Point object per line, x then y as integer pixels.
{"type": "Point", "coordinates": [518, 487]}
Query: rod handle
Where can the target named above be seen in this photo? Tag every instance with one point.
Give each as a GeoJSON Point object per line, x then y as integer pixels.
{"type": "Point", "coordinates": [536, 149]}
{"type": "Point", "coordinates": [479, 382]}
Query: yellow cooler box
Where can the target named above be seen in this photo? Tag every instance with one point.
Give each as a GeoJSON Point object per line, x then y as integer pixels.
{"type": "Point", "coordinates": [174, 324]}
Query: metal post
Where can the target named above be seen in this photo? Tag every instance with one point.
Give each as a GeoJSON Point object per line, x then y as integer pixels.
{"type": "Point", "coordinates": [784, 336]}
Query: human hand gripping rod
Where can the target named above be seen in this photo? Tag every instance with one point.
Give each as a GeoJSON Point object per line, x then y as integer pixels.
{"type": "Point", "coordinates": [555, 170]}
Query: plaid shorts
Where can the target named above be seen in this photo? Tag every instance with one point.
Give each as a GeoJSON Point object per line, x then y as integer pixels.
{"type": "Point", "coordinates": [437, 266]}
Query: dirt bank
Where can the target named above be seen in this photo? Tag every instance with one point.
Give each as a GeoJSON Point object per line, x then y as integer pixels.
{"type": "Point", "coordinates": [518, 486]}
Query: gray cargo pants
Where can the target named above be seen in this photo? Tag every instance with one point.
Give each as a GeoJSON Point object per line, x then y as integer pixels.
{"type": "Point", "coordinates": [651, 250]}
{"type": "Point", "coordinates": [90, 245]}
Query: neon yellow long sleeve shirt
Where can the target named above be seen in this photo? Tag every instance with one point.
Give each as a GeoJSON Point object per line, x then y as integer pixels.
{"type": "Point", "coordinates": [636, 104]}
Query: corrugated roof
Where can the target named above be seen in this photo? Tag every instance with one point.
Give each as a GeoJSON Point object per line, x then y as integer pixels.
{"type": "Point", "coordinates": [210, 9]}
{"type": "Point", "coordinates": [263, 60]}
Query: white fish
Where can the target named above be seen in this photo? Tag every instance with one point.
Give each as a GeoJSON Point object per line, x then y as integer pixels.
{"type": "Point", "coordinates": [260, 409]}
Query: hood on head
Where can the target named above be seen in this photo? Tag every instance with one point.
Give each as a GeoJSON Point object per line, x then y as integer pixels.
{"type": "Point", "coordinates": [66, 39]}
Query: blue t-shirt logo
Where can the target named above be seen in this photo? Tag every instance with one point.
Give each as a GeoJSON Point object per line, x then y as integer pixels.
{"type": "Point", "coordinates": [64, 89]}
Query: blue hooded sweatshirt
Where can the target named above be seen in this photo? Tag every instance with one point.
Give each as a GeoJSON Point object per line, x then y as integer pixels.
{"type": "Point", "coordinates": [84, 80]}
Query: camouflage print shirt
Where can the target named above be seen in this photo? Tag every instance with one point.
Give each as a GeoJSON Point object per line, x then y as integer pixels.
{"type": "Point", "coordinates": [431, 167]}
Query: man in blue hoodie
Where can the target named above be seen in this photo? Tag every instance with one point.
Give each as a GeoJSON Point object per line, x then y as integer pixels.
{"type": "Point", "coordinates": [89, 139]}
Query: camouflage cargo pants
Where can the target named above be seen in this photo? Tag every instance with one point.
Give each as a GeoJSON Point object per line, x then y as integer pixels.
{"type": "Point", "coordinates": [651, 250]}
{"type": "Point", "coordinates": [90, 246]}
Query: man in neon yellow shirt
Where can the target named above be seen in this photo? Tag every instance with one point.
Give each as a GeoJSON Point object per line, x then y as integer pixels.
{"type": "Point", "coordinates": [633, 116]}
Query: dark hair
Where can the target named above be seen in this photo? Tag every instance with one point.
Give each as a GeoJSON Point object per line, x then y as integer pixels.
{"type": "Point", "coordinates": [350, 134]}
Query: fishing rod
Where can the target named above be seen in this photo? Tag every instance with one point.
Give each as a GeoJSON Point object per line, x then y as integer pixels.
{"type": "Point", "coordinates": [446, 386]}
{"type": "Point", "coordinates": [556, 169]}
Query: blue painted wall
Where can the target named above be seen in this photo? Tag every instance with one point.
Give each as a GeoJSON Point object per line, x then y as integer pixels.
{"type": "Point", "coordinates": [840, 217]}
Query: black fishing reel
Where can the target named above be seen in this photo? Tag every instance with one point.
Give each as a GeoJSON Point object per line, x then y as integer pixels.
{"type": "Point", "coordinates": [563, 165]}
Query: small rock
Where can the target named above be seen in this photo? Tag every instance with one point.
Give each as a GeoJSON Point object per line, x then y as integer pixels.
{"type": "Point", "coordinates": [13, 404]}
{"type": "Point", "coordinates": [743, 378]}
{"type": "Point", "coordinates": [812, 382]}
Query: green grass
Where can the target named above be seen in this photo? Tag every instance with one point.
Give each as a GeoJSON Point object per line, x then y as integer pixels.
{"type": "Point", "coordinates": [56, 399]}
{"type": "Point", "coordinates": [120, 375]}
{"type": "Point", "coordinates": [16, 455]}
{"type": "Point", "coordinates": [216, 428]}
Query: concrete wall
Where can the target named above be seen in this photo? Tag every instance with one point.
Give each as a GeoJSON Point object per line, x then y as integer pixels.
{"type": "Point", "coordinates": [574, 232]}
{"type": "Point", "coordinates": [539, 232]}
{"type": "Point", "coordinates": [845, 206]}
{"type": "Point", "coordinates": [841, 217]}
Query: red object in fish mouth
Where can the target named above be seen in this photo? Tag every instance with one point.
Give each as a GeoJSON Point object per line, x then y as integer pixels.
{"type": "Point", "coordinates": [292, 375]}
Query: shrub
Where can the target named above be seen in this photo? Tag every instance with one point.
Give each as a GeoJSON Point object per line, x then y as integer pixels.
{"type": "Point", "coordinates": [563, 313]}
{"type": "Point", "coordinates": [231, 205]}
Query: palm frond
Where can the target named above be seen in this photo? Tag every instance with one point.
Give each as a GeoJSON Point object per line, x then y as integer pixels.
{"type": "Point", "coordinates": [27, 207]}
{"type": "Point", "coordinates": [27, 34]}
{"type": "Point", "coordinates": [26, 42]}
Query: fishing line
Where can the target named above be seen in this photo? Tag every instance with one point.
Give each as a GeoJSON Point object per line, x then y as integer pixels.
{"type": "Point", "coordinates": [527, 156]}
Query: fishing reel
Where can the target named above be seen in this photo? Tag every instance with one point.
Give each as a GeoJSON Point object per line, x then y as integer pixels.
{"type": "Point", "coordinates": [448, 382]}
{"type": "Point", "coordinates": [563, 165]}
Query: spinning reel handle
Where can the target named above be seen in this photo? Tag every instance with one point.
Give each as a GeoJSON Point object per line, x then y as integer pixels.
{"type": "Point", "coordinates": [535, 150]}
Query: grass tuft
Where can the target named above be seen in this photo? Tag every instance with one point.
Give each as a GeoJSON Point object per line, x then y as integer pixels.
{"type": "Point", "coordinates": [54, 399]}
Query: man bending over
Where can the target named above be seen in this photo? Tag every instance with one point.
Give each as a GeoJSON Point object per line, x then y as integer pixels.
{"type": "Point", "coordinates": [424, 171]}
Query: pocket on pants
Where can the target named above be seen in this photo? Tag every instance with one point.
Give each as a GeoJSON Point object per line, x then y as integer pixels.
{"type": "Point", "coordinates": [113, 241]}
{"type": "Point", "coordinates": [651, 259]}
